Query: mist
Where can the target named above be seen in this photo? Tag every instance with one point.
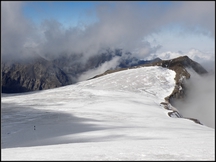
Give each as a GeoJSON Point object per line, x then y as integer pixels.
{"type": "Point", "coordinates": [112, 64]}
{"type": "Point", "coordinates": [122, 25]}
{"type": "Point", "coordinates": [199, 102]}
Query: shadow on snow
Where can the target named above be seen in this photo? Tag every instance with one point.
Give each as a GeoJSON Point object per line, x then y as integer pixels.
{"type": "Point", "coordinates": [25, 126]}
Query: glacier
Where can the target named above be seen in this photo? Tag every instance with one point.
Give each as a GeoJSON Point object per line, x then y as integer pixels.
{"type": "Point", "coordinates": [117, 116]}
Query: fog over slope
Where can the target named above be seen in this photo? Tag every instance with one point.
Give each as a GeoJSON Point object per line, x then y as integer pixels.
{"type": "Point", "coordinates": [199, 101]}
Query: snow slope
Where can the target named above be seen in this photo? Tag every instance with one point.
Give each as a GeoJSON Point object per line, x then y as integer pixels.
{"type": "Point", "coordinates": [114, 117]}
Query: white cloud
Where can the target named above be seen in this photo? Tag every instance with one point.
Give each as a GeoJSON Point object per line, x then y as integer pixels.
{"type": "Point", "coordinates": [199, 101]}
{"type": "Point", "coordinates": [205, 58]}
{"type": "Point", "coordinates": [16, 31]}
{"type": "Point", "coordinates": [120, 25]}
{"type": "Point", "coordinates": [101, 69]}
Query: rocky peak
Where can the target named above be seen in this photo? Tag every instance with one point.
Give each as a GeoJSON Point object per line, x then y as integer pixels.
{"type": "Point", "coordinates": [180, 65]}
{"type": "Point", "coordinates": [184, 61]}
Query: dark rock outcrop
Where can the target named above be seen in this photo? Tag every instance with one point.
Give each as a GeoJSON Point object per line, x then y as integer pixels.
{"type": "Point", "coordinates": [34, 75]}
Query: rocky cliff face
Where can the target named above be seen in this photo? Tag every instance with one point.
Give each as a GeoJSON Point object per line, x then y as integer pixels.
{"type": "Point", "coordinates": [34, 75]}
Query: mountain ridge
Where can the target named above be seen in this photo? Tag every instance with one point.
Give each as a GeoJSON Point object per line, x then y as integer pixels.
{"type": "Point", "coordinates": [47, 72]}
{"type": "Point", "coordinates": [178, 65]}
{"type": "Point", "coordinates": [41, 73]}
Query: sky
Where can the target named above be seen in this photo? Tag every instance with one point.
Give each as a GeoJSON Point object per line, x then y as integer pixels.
{"type": "Point", "coordinates": [143, 28]}
{"type": "Point", "coordinates": [67, 13]}
{"type": "Point", "coordinates": [114, 117]}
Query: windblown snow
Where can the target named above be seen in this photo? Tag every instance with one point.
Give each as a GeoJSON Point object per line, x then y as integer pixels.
{"type": "Point", "coordinates": [114, 117]}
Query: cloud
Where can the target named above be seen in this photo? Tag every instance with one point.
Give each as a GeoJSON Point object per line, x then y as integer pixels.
{"type": "Point", "coordinates": [194, 14]}
{"type": "Point", "coordinates": [120, 25]}
{"type": "Point", "coordinates": [101, 69]}
{"type": "Point", "coordinates": [204, 58]}
{"type": "Point", "coordinates": [116, 29]}
{"type": "Point", "coordinates": [199, 102]}
{"type": "Point", "coordinates": [16, 32]}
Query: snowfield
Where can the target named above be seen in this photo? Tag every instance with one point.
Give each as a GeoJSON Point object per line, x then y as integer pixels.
{"type": "Point", "coordinates": [114, 117]}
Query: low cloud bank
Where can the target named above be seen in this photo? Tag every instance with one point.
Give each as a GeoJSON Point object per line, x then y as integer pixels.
{"type": "Point", "coordinates": [200, 100]}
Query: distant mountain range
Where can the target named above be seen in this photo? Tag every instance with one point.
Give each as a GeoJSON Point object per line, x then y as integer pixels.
{"type": "Point", "coordinates": [45, 73]}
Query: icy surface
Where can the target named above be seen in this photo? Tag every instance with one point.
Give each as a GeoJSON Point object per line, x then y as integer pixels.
{"type": "Point", "coordinates": [114, 117]}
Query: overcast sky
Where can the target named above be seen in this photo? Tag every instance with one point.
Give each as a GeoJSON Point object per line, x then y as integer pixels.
{"type": "Point", "coordinates": [31, 28]}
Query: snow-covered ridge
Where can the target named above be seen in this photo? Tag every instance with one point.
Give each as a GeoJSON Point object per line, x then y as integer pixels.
{"type": "Point", "coordinates": [155, 81]}
{"type": "Point", "coordinates": [114, 117]}
{"type": "Point", "coordinates": [179, 65]}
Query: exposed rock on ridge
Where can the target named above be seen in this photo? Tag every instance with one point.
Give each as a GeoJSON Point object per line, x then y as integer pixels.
{"type": "Point", "coordinates": [179, 65]}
